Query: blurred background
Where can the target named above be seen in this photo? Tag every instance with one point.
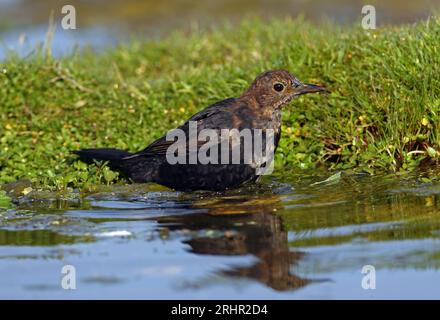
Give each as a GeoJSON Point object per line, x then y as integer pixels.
{"type": "Point", "coordinates": [101, 23]}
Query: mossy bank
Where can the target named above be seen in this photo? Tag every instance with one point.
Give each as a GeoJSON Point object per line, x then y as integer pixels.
{"type": "Point", "coordinates": [382, 113]}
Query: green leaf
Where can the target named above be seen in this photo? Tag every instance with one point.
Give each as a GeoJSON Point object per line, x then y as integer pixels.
{"type": "Point", "coordinates": [5, 201]}
{"type": "Point", "coordinates": [330, 180]}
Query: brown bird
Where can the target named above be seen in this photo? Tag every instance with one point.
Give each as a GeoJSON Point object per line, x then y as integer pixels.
{"type": "Point", "coordinates": [258, 108]}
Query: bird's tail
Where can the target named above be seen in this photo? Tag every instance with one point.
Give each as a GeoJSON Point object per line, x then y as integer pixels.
{"type": "Point", "coordinates": [138, 169]}
{"type": "Point", "coordinates": [113, 156]}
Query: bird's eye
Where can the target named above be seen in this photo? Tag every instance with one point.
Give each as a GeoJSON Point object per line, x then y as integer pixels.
{"type": "Point", "coordinates": [278, 87]}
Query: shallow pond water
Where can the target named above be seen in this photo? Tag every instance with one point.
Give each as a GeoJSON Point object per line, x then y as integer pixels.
{"type": "Point", "coordinates": [288, 238]}
{"type": "Point", "coordinates": [103, 24]}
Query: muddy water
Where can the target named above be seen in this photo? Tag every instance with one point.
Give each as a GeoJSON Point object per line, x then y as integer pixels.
{"type": "Point", "coordinates": [290, 237]}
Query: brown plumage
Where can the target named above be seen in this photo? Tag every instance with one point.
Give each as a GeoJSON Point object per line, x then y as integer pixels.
{"type": "Point", "coordinates": [259, 107]}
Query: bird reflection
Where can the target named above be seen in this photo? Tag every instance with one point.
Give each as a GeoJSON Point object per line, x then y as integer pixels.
{"type": "Point", "coordinates": [246, 226]}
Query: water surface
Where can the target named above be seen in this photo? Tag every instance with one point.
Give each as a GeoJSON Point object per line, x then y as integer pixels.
{"type": "Point", "coordinates": [102, 24]}
{"type": "Point", "coordinates": [287, 238]}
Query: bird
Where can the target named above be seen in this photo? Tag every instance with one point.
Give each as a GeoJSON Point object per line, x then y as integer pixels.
{"type": "Point", "coordinates": [257, 108]}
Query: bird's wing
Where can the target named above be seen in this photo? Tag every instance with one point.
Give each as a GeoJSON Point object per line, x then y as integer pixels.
{"type": "Point", "coordinates": [216, 117]}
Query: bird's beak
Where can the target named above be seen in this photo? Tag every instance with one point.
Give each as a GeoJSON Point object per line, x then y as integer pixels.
{"type": "Point", "coordinates": [308, 88]}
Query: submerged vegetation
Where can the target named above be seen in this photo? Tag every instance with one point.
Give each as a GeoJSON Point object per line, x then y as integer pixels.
{"type": "Point", "coordinates": [382, 113]}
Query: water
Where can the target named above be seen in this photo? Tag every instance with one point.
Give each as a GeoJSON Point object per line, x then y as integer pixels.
{"type": "Point", "coordinates": [286, 238]}
{"type": "Point", "coordinates": [25, 41]}
{"type": "Point", "coordinates": [102, 24]}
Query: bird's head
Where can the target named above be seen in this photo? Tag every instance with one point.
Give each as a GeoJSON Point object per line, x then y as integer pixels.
{"type": "Point", "coordinates": [274, 89]}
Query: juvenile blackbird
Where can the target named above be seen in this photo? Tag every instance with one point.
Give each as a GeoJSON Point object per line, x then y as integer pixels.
{"type": "Point", "coordinates": [259, 107]}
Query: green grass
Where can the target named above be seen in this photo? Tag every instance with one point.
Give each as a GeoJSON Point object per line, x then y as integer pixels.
{"type": "Point", "coordinates": [382, 114]}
